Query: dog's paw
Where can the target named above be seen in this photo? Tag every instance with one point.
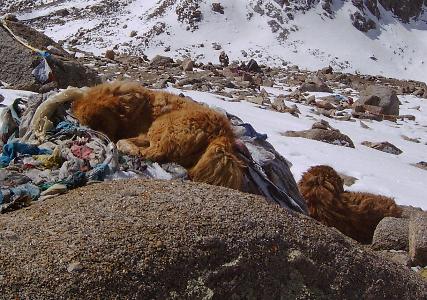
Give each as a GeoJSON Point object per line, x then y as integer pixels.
{"type": "Point", "coordinates": [127, 147]}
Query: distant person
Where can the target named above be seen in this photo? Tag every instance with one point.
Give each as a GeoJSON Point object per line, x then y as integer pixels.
{"type": "Point", "coordinates": [223, 59]}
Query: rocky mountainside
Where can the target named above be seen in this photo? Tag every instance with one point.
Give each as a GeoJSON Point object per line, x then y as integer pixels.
{"type": "Point", "coordinates": [384, 37]}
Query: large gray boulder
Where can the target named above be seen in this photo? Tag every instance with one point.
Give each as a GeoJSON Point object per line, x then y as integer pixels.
{"type": "Point", "coordinates": [17, 61]}
{"type": "Point", "coordinates": [379, 99]}
{"type": "Point", "coordinates": [144, 239]}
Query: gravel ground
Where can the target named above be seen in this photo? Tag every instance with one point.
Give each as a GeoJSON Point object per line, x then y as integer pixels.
{"type": "Point", "coordinates": [145, 239]}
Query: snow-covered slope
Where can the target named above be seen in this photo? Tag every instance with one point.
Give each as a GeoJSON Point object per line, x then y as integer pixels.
{"type": "Point", "coordinates": [311, 34]}
{"type": "Point", "coordinates": [377, 172]}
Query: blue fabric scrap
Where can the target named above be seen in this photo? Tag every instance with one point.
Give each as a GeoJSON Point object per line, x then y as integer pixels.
{"type": "Point", "coordinates": [99, 172]}
{"type": "Point", "coordinates": [12, 149]}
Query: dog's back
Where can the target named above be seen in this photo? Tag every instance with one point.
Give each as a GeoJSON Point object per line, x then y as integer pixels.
{"type": "Point", "coordinates": [162, 126]}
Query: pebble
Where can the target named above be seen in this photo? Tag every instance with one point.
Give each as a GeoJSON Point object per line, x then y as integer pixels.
{"type": "Point", "coordinates": [74, 267]}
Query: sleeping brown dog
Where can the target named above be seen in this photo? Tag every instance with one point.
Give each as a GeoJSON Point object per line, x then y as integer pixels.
{"type": "Point", "coordinates": [164, 127]}
{"type": "Point", "coordinates": [354, 214]}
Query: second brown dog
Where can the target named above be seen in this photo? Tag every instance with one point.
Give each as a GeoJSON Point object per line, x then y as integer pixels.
{"type": "Point", "coordinates": [354, 214]}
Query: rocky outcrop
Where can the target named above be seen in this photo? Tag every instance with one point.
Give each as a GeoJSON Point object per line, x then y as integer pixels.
{"type": "Point", "coordinates": [17, 62]}
{"type": "Point", "coordinates": [361, 22]}
{"type": "Point", "coordinates": [156, 240]}
{"type": "Point", "coordinates": [405, 10]}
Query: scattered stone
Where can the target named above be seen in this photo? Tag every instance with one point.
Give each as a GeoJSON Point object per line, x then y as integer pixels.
{"type": "Point", "coordinates": [217, 7]}
{"type": "Point", "coordinates": [279, 104]}
{"type": "Point", "coordinates": [421, 165]}
{"type": "Point", "coordinates": [379, 100]}
{"type": "Point", "coordinates": [133, 33]}
{"type": "Point", "coordinates": [187, 65]}
{"type": "Point", "coordinates": [216, 46]}
{"type": "Point", "coordinates": [159, 60]}
{"type": "Point", "coordinates": [322, 124]}
{"type": "Point", "coordinates": [325, 105]}
{"type": "Point", "coordinates": [391, 234]}
{"type": "Point", "coordinates": [310, 99]}
{"type": "Point", "coordinates": [258, 100]}
{"type": "Point", "coordinates": [110, 54]}
{"type": "Point", "coordinates": [315, 84]}
{"type": "Point", "coordinates": [367, 116]}
{"type": "Point", "coordinates": [348, 180]}
{"type": "Point", "coordinates": [418, 239]}
{"type": "Point", "coordinates": [383, 146]}
{"type": "Point", "coordinates": [63, 12]}
{"type": "Point", "coordinates": [407, 117]}
{"type": "Point", "coordinates": [247, 77]}
{"type": "Point", "coordinates": [1, 98]}
{"type": "Point", "coordinates": [327, 70]}
{"type": "Point", "coordinates": [329, 136]}
{"type": "Point", "coordinates": [267, 83]}
{"type": "Point", "coordinates": [363, 125]}
{"type": "Point", "coordinates": [413, 140]}
{"type": "Point", "coordinates": [252, 66]}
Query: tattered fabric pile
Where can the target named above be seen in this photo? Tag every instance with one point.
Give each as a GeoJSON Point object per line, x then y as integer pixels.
{"type": "Point", "coordinates": [45, 152]}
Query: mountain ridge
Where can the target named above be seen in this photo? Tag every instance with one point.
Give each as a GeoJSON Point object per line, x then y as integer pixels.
{"type": "Point", "coordinates": [378, 37]}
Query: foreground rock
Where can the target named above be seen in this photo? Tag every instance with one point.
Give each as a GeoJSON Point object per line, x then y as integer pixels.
{"type": "Point", "coordinates": [391, 234]}
{"type": "Point", "coordinates": [17, 62]}
{"type": "Point", "coordinates": [151, 239]}
{"type": "Point", "coordinates": [418, 239]}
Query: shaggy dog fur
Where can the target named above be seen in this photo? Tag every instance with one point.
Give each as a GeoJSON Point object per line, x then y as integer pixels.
{"type": "Point", "coordinates": [354, 214]}
{"type": "Point", "coordinates": [164, 127]}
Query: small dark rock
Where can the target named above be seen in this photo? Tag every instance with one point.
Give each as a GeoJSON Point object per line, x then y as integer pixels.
{"type": "Point", "coordinates": [217, 7]}
{"type": "Point", "coordinates": [253, 66]}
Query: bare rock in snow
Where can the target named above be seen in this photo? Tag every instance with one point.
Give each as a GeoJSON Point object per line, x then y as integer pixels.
{"type": "Point", "coordinates": [383, 146]}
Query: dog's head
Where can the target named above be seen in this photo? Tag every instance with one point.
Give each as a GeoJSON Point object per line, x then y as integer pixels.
{"type": "Point", "coordinates": [320, 183]}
